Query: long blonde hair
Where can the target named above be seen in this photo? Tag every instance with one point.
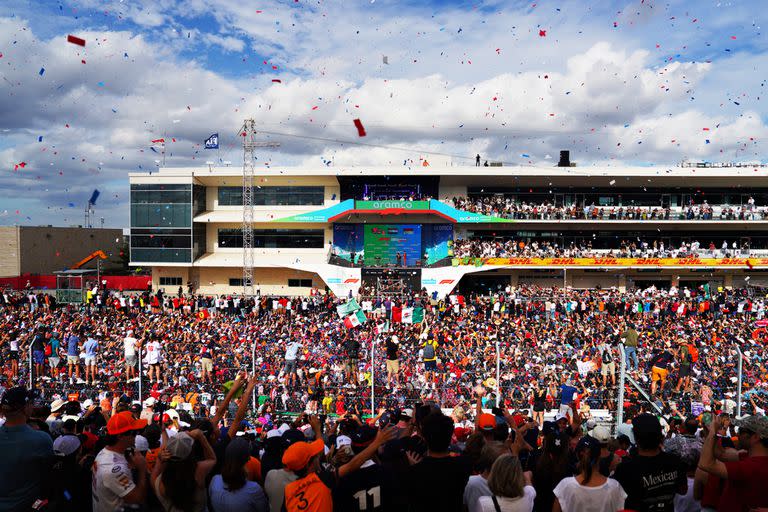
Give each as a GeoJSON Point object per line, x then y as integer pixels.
{"type": "Point", "coordinates": [506, 478]}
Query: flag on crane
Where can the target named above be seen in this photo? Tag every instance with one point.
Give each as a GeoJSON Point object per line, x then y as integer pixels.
{"type": "Point", "coordinates": [94, 196]}
{"type": "Point", "coordinates": [212, 142]}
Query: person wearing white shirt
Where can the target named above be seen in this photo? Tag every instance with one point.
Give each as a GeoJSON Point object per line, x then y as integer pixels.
{"type": "Point", "coordinates": [589, 489]}
{"type": "Point", "coordinates": [129, 348]}
{"type": "Point", "coordinates": [153, 358]}
{"type": "Point", "coordinates": [511, 488]}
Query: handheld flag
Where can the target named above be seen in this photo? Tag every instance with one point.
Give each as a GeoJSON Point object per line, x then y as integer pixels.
{"type": "Point", "coordinates": [347, 309]}
{"type": "Point", "coordinates": [212, 142]}
{"type": "Point", "coordinates": [355, 319]}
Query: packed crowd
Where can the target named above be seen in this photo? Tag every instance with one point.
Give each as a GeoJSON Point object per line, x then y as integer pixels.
{"type": "Point", "coordinates": [501, 206]}
{"type": "Point", "coordinates": [128, 457]}
{"type": "Point", "coordinates": [556, 349]}
{"type": "Point", "coordinates": [510, 248]}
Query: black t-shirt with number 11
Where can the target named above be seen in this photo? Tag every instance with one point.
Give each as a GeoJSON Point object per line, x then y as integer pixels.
{"type": "Point", "coordinates": [365, 490]}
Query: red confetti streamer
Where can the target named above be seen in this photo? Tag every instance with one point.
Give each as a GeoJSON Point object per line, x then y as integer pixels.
{"type": "Point", "coordinates": [20, 164]}
{"type": "Point", "coordinates": [360, 128]}
{"type": "Point", "coordinates": [75, 40]}
{"type": "Point", "coordinates": [276, 81]}
{"type": "Point", "coordinates": [542, 33]}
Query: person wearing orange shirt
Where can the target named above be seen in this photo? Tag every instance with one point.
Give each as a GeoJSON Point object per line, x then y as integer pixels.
{"type": "Point", "coordinates": [312, 492]}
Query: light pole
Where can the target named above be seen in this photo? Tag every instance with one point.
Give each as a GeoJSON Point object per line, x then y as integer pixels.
{"type": "Point", "coordinates": [498, 372]}
{"type": "Point", "coordinates": [738, 391]}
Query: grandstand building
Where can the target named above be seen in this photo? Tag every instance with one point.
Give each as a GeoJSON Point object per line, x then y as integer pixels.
{"type": "Point", "coordinates": [340, 228]}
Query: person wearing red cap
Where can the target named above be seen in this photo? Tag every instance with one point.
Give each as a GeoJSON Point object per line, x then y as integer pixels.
{"type": "Point", "coordinates": [113, 484]}
{"type": "Point", "coordinates": [312, 491]}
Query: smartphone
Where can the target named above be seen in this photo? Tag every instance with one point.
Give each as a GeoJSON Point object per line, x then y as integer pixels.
{"type": "Point", "coordinates": [706, 418]}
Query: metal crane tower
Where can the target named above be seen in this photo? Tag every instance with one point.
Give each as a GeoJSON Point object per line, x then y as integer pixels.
{"type": "Point", "coordinates": [248, 132]}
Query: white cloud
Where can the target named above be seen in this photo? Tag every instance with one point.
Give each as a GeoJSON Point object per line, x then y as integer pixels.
{"type": "Point", "coordinates": [534, 96]}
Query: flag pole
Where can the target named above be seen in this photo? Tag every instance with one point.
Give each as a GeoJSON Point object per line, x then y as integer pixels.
{"type": "Point", "coordinates": [373, 378]}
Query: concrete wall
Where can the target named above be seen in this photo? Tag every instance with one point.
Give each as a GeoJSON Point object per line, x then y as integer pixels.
{"type": "Point", "coordinates": [10, 261]}
{"type": "Point", "coordinates": [215, 281]}
{"type": "Point", "coordinates": [44, 250]}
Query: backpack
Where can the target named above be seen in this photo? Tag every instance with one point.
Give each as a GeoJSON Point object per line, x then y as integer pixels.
{"type": "Point", "coordinates": [693, 353]}
{"type": "Point", "coordinates": [429, 351]}
{"type": "Point", "coordinates": [607, 356]}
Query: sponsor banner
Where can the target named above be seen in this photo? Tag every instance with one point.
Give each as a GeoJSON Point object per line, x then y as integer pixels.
{"type": "Point", "coordinates": [394, 204]}
{"type": "Point", "coordinates": [462, 217]}
{"type": "Point", "coordinates": [320, 215]}
{"type": "Point", "coordinates": [615, 262]}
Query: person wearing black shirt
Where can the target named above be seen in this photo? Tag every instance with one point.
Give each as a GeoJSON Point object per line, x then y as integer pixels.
{"type": "Point", "coordinates": [652, 477]}
{"type": "Point", "coordinates": [368, 489]}
{"type": "Point", "coordinates": [660, 369]}
{"type": "Point", "coordinates": [393, 364]}
{"type": "Point", "coordinates": [437, 481]}
{"type": "Point", "coordinates": [352, 347]}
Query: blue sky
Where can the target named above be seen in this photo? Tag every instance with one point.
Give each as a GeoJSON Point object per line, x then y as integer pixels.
{"type": "Point", "coordinates": [616, 82]}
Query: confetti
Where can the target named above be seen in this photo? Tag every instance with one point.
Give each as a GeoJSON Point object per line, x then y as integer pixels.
{"type": "Point", "coordinates": [42, 70]}
{"type": "Point", "coordinates": [20, 164]}
{"type": "Point", "coordinates": [75, 40]}
{"type": "Point", "coordinates": [276, 81]}
{"type": "Point", "coordinates": [360, 128]}
{"type": "Point", "coordinates": [542, 33]}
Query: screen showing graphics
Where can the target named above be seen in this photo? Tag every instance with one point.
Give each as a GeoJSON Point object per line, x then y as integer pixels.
{"type": "Point", "coordinates": [383, 242]}
{"type": "Point", "coordinates": [437, 240]}
{"type": "Point", "coordinates": [348, 241]}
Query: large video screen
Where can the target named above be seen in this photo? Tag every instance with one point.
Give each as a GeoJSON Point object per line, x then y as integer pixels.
{"type": "Point", "coordinates": [383, 242]}
{"type": "Point", "coordinates": [437, 240]}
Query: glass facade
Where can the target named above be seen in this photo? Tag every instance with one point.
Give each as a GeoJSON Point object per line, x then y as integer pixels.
{"type": "Point", "coordinates": [273, 196]}
{"type": "Point", "coordinates": [274, 238]}
{"type": "Point", "coordinates": [161, 223]}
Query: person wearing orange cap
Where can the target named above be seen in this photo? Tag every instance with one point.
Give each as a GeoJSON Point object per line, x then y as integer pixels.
{"type": "Point", "coordinates": [312, 491]}
{"type": "Point", "coordinates": [113, 484]}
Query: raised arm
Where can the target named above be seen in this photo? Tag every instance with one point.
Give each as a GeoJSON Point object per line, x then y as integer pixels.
{"type": "Point", "coordinates": [242, 408]}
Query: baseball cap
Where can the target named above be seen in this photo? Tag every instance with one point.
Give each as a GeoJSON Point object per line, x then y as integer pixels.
{"type": "Point", "coordinates": [343, 441]}
{"type": "Point", "coordinates": [273, 433]}
{"type": "Point", "coordinates": [149, 402]}
{"type": "Point", "coordinates": [646, 424]}
{"type": "Point", "coordinates": [124, 422]}
{"type": "Point", "coordinates": [756, 424]}
{"type": "Point", "coordinates": [588, 442]}
{"type": "Point", "coordinates": [486, 421]}
{"type": "Point", "coordinates": [297, 455]}
{"type": "Point", "coordinates": [16, 398]}
{"type": "Point", "coordinates": [66, 445]}
{"type": "Point", "coordinates": [141, 444]}
{"type": "Point", "coordinates": [601, 434]}
{"type": "Point", "coordinates": [180, 446]}
{"type": "Point", "coordinates": [362, 437]}
{"type": "Point", "coordinates": [561, 416]}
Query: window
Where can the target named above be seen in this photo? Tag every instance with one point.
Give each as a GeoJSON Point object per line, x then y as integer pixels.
{"type": "Point", "coordinates": [273, 196]}
{"type": "Point", "coordinates": [236, 281]}
{"type": "Point", "coordinates": [161, 206]}
{"type": "Point", "coordinates": [274, 238]}
{"type": "Point", "coordinates": [300, 283]}
{"type": "Point", "coordinates": [170, 281]}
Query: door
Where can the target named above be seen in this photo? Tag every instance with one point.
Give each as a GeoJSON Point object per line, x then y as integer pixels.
{"type": "Point", "coordinates": [559, 200]}
{"type": "Point", "coordinates": [666, 200]}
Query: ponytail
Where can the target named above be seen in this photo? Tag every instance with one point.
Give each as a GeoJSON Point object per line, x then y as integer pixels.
{"type": "Point", "coordinates": [588, 456]}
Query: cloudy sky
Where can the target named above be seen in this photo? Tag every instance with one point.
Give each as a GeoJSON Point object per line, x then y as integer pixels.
{"type": "Point", "coordinates": [640, 82]}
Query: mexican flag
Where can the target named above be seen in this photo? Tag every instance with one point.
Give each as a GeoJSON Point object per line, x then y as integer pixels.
{"type": "Point", "coordinates": [355, 319]}
{"type": "Point", "coordinates": [344, 310]}
{"type": "Point", "coordinates": [413, 315]}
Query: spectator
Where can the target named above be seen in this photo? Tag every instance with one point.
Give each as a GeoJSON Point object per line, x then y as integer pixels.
{"type": "Point", "coordinates": [114, 485]}
{"type": "Point", "coordinates": [589, 489]}
{"type": "Point", "coordinates": [438, 470]}
{"type": "Point", "coordinates": [231, 491]}
{"type": "Point", "coordinates": [652, 477]}
{"type": "Point", "coordinates": [744, 479]}
{"type": "Point", "coordinates": [177, 479]}
{"type": "Point", "coordinates": [27, 454]}
{"type": "Point", "coordinates": [511, 489]}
